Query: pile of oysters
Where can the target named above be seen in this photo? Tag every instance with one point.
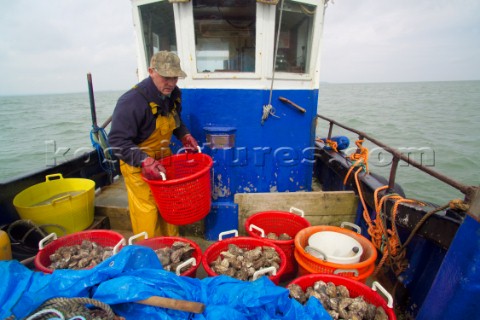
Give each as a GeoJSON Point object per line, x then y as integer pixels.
{"type": "Point", "coordinates": [243, 263]}
{"type": "Point", "coordinates": [172, 256]}
{"type": "Point", "coordinates": [80, 256]}
{"type": "Point", "coordinates": [337, 301]}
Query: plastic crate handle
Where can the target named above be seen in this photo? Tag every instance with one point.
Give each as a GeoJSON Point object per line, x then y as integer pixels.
{"type": "Point", "coordinates": [55, 175]}
{"type": "Point", "coordinates": [224, 233]}
{"type": "Point", "coordinates": [262, 232]}
{"type": "Point", "coordinates": [263, 271]}
{"type": "Point", "coordinates": [191, 261]}
{"type": "Point", "coordinates": [144, 234]}
{"type": "Point", "coordinates": [354, 271]}
{"type": "Point", "coordinates": [65, 197]}
{"type": "Point", "coordinates": [352, 225]}
{"type": "Point", "coordinates": [315, 252]}
{"type": "Point", "coordinates": [117, 246]}
{"type": "Point", "coordinates": [376, 285]}
{"type": "Point", "coordinates": [298, 211]}
{"type": "Point", "coordinates": [198, 148]}
{"type": "Point", "coordinates": [42, 242]}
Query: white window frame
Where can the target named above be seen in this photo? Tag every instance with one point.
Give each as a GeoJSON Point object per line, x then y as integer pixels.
{"type": "Point", "coordinates": [264, 51]}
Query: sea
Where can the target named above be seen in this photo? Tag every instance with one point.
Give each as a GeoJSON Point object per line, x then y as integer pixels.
{"type": "Point", "coordinates": [434, 123]}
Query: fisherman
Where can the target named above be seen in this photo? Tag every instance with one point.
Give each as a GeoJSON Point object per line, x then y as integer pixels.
{"type": "Point", "coordinates": [143, 122]}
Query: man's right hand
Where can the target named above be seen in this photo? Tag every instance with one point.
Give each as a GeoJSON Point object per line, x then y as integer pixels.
{"type": "Point", "coordinates": [152, 169]}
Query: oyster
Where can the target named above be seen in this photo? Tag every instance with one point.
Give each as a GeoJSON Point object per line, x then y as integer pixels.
{"type": "Point", "coordinates": [284, 236]}
{"type": "Point", "coordinates": [297, 293]}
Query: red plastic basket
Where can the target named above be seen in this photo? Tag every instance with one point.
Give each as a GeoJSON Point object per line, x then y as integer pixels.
{"type": "Point", "coordinates": [315, 265]}
{"type": "Point", "coordinates": [278, 222]}
{"type": "Point", "coordinates": [214, 250]}
{"type": "Point", "coordinates": [354, 287]}
{"type": "Point", "coordinates": [162, 242]}
{"type": "Point", "coordinates": [185, 196]}
{"type": "Point", "coordinates": [105, 238]}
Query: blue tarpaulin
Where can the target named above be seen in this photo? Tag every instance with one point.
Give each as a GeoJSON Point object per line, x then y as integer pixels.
{"type": "Point", "coordinates": [135, 273]}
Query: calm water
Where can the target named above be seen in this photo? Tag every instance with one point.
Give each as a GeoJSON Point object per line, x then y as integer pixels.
{"type": "Point", "coordinates": [32, 127]}
{"type": "Point", "coordinates": [437, 123]}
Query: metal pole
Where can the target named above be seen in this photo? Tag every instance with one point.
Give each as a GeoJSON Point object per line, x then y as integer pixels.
{"type": "Point", "coordinates": [92, 100]}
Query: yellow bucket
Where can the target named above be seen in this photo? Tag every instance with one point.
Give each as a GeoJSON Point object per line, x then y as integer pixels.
{"type": "Point", "coordinates": [5, 246]}
{"type": "Point", "coordinates": [65, 202]}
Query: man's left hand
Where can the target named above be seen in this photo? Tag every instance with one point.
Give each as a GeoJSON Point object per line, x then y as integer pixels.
{"type": "Point", "coordinates": [190, 144]}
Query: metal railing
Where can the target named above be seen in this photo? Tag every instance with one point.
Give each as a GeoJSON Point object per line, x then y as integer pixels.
{"type": "Point", "coordinates": [472, 193]}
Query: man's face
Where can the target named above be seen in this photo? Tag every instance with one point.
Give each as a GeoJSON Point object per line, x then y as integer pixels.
{"type": "Point", "coordinates": [164, 84]}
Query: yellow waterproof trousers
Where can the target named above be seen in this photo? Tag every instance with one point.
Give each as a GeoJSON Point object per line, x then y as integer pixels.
{"type": "Point", "coordinates": [144, 214]}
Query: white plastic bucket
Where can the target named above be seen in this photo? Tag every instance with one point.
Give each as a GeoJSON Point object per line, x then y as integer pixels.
{"type": "Point", "coordinates": [335, 247]}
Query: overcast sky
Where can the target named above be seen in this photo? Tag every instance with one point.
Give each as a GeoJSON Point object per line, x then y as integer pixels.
{"type": "Point", "coordinates": [49, 46]}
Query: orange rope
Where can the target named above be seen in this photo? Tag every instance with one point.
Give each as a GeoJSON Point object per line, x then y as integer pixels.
{"type": "Point", "coordinates": [385, 239]}
{"type": "Point", "coordinates": [362, 154]}
{"type": "Point", "coordinates": [359, 158]}
{"type": "Point", "coordinates": [392, 247]}
{"type": "Point", "coordinates": [332, 144]}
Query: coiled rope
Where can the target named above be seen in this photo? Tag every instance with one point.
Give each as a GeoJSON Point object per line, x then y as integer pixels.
{"type": "Point", "coordinates": [330, 143]}
{"type": "Point", "coordinates": [72, 309]}
{"type": "Point", "coordinates": [386, 239]}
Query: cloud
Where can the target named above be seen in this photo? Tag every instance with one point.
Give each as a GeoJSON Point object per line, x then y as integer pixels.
{"type": "Point", "coordinates": [388, 41]}
{"type": "Point", "coordinates": [49, 46]}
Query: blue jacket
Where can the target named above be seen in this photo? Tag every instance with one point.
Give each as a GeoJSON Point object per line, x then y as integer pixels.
{"type": "Point", "coordinates": [133, 121]}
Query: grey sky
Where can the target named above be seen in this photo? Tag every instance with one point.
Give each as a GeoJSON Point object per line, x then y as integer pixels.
{"type": "Point", "coordinates": [49, 46]}
{"type": "Point", "coordinates": [408, 40]}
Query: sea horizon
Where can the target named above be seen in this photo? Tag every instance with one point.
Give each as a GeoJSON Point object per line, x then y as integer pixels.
{"type": "Point", "coordinates": [321, 83]}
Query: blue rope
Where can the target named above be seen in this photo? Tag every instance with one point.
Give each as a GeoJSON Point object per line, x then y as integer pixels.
{"type": "Point", "coordinates": [99, 140]}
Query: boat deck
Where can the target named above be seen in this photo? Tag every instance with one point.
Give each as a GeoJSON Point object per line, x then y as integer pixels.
{"type": "Point", "coordinates": [321, 208]}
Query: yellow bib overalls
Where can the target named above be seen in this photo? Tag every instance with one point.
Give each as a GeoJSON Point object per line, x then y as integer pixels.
{"type": "Point", "coordinates": [143, 209]}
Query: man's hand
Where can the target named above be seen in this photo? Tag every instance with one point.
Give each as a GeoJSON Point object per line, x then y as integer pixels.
{"type": "Point", "coordinates": [152, 169]}
{"type": "Point", "coordinates": [189, 143]}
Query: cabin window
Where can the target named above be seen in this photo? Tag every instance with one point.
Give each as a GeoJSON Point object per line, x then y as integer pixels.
{"type": "Point", "coordinates": [295, 40]}
{"type": "Point", "coordinates": [158, 28]}
{"type": "Point", "coordinates": [225, 35]}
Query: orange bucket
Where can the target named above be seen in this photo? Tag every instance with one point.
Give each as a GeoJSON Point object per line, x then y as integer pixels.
{"type": "Point", "coordinates": [310, 264]}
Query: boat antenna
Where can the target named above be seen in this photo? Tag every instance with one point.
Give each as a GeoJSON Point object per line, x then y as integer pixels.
{"type": "Point", "coordinates": [268, 109]}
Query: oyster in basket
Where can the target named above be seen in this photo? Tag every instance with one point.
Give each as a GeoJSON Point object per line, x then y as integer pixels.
{"type": "Point", "coordinates": [274, 236]}
{"type": "Point", "coordinates": [172, 256]}
{"type": "Point", "coordinates": [242, 263]}
{"type": "Point", "coordinates": [337, 301]}
{"type": "Point", "coordinates": [80, 256]}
